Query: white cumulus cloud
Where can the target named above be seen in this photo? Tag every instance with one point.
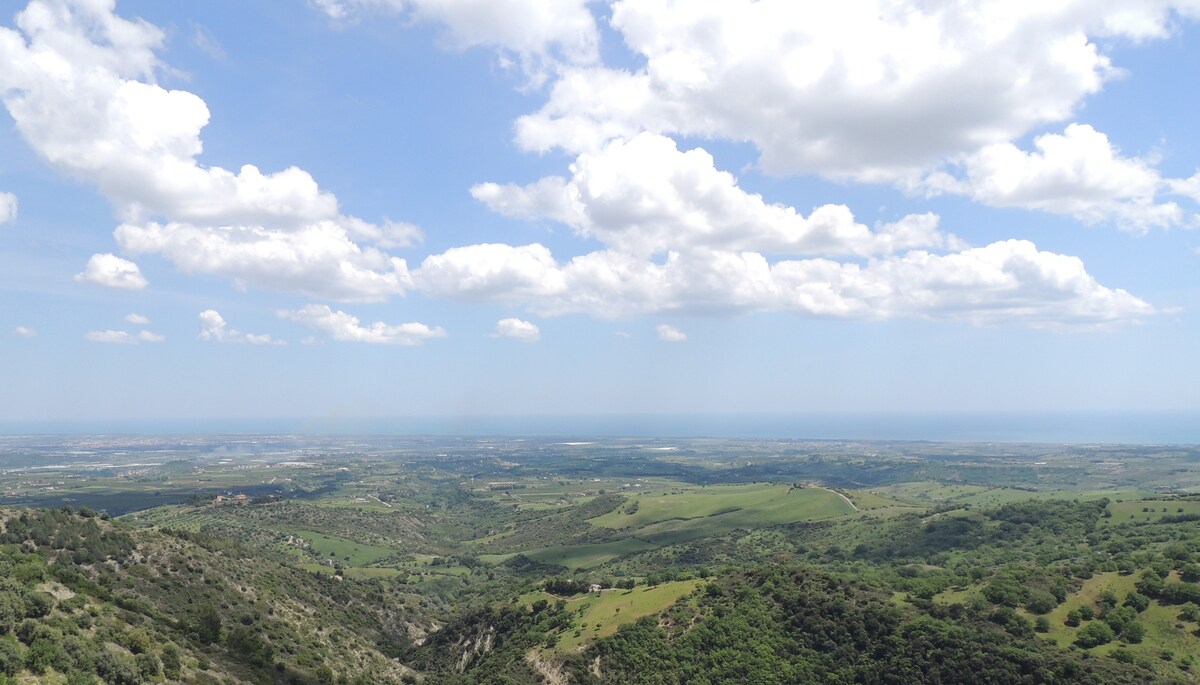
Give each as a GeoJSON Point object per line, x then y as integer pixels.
{"type": "Point", "coordinates": [347, 328]}
{"type": "Point", "coordinates": [111, 271]}
{"type": "Point", "coordinates": [668, 333]}
{"type": "Point", "coordinates": [645, 196]}
{"type": "Point", "coordinates": [79, 83]}
{"type": "Point", "coordinates": [517, 329]}
{"type": "Point", "coordinates": [214, 327]}
{"type": "Point", "coordinates": [24, 332]}
{"type": "Point", "coordinates": [873, 90]}
{"type": "Point", "coordinates": [137, 319]}
{"type": "Point", "coordinates": [536, 33]}
{"type": "Point", "coordinates": [319, 259]}
{"type": "Point", "coordinates": [930, 96]}
{"type": "Point", "coordinates": [680, 236]}
{"type": "Point", "coordinates": [8, 208]}
{"type": "Point", "coordinates": [1004, 281]}
{"type": "Point", "coordinates": [1079, 173]}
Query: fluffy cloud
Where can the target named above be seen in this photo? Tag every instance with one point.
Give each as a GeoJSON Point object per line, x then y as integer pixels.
{"type": "Point", "coordinates": [492, 271]}
{"type": "Point", "coordinates": [1005, 281]}
{"type": "Point", "coordinates": [79, 84]}
{"type": "Point", "coordinates": [24, 332]}
{"type": "Point", "coordinates": [538, 33]}
{"type": "Point", "coordinates": [8, 207]}
{"type": "Point", "coordinates": [112, 271]}
{"type": "Point", "coordinates": [137, 319]}
{"type": "Point", "coordinates": [319, 259]}
{"type": "Point", "coordinates": [517, 329]}
{"type": "Point", "coordinates": [346, 327]}
{"type": "Point", "coordinates": [213, 327]}
{"type": "Point", "coordinates": [868, 90]}
{"type": "Point", "coordinates": [1078, 173]}
{"type": "Point", "coordinates": [645, 197]}
{"type": "Point", "coordinates": [124, 337]}
{"type": "Point", "coordinates": [668, 333]}
{"type": "Point", "coordinates": [680, 236]}
{"type": "Point", "coordinates": [874, 90]}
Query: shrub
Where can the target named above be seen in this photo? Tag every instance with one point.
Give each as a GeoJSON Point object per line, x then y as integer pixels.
{"type": "Point", "coordinates": [38, 604]}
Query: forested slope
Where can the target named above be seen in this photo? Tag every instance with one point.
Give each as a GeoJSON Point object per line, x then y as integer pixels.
{"type": "Point", "coordinates": [82, 598]}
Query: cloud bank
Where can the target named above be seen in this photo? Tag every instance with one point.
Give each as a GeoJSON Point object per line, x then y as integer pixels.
{"type": "Point", "coordinates": [930, 97]}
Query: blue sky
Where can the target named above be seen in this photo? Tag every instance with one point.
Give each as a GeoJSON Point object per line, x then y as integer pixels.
{"type": "Point", "coordinates": [461, 207]}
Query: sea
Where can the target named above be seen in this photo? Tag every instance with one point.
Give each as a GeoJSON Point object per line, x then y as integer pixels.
{"type": "Point", "coordinates": [1037, 427]}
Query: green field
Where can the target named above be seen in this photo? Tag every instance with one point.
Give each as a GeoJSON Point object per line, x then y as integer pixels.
{"type": "Point", "coordinates": [933, 492]}
{"type": "Point", "coordinates": [341, 549]}
{"type": "Point", "coordinates": [1130, 511]}
{"type": "Point", "coordinates": [599, 614]}
{"type": "Point", "coordinates": [588, 556]}
{"type": "Point", "coordinates": [866, 500]}
{"type": "Point", "coordinates": [1163, 631]}
{"type": "Point", "coordinates": [650, 520]}
{"type": "Point", "coordinates": [357, 573]}
{"type": "Point", "coordinates": [1000, 496]}
{"type": "Point", "coordinates": [929, 491]}
{"type": "Point", "coordinates": [755, 504]}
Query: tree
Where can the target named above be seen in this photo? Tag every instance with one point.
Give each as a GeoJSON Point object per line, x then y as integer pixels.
{"type": "Point", "coordinates": [1133, 633]}
{"type": "Point", "coordinates": [44, 654]}
{"type": "Point", "coordinates": [1094, 635]}
{"type": "Point", "coordinates": [12, 610]}
{"type": "Point", "coordinates": [11, 660]}
{"type": "Point", "coordinates": [136, 640]}
{"type": "Point", "coordinates": [208, 625]}
{"type": "Point", "coordinates": [1137, 601]}
{"type": "Point", "coordinates": [117, 668]}
{"type": "Point", "coordinates": [1107, 599]}
{"type": "Point", "coordinates": [81, 678]}
{"type": "Point", "coordinates": [172, 661]}
{"type": "Point", "coordinates": [148, 665]}
{"type": "Point", "coordinates": [1040, 602]}
{"type": "Point", "coordinates": [1190, 612]}
{"type": "Point", "coordinates": [1121, 617]}
{"type": "Point", "coordinates": [38, 604]}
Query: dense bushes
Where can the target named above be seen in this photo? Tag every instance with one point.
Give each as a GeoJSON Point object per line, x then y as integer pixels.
{"type": "Point", "coordinates": [101, 605]}
{"type": "Point", "coordinates": [798, 626]}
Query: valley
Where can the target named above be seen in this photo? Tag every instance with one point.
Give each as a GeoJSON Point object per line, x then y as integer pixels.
{"type": "Point", "coordinates": [498, 560]}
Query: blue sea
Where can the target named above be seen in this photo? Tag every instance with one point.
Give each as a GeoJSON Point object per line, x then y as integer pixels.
{"type": "Point", "coordinates": [1048, 427]}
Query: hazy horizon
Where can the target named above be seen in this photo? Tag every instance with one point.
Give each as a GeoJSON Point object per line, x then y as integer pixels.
{"type": "Point", "coordinates": [1013, 427]}
{"type": "Point", "coordinates": [385, 208]}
